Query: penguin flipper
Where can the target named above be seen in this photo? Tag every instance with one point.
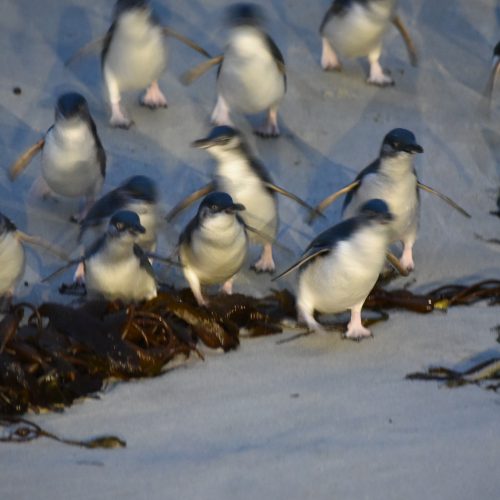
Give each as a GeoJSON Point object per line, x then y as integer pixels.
{"type": "Point", "coordinates": [93, 46]}
{"type": "Point", "coordinates": [305, 258]}
{"type": "Point", "coordinates": [330, 199]}
{"type": "Point", "coordinates": [394, 261]}
{"type": "Point", "coordinates": [61, 269]}
{"type": "Point", "coordinates": [165, 260]}
{"type": "Point", "coordinates": [313, 212]}
{"type": "Point", "coordinates": [445, 198]}
{"type": "Point", "coordinates": [23, 161]}
{"type": "Point", "coordinates": [410, 46]}
{"type": "Point", "coordinates": [190, 199]}
{"type": "Point", "coordinates": [193, 74]}
{"type": "Point", "coordinates": [35, 240]}
{"type": "Point", "coordinates": [185, 40]}
{"type": "Point", "coordinates": [144, 261]}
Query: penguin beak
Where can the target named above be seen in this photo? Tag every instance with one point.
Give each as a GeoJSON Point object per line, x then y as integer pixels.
{"type": "Point", "coordinates": [235, 207]}
{"type": "Point", "coordinates": [137, 229]}
{"type": "Point", "coordinates": [388, 218]}
{"type": "Point", "coordinates": [413, 148]}
{"type": "Point", "coordinates": [202, 143]}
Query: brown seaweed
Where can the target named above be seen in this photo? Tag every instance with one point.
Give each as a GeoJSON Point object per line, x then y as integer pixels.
{"type": "Point", "coordinates": [478, 374]}
{"type": "Point", "coordinates": [62, 353]}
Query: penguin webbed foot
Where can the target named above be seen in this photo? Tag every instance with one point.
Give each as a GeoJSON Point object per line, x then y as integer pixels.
{"type": "Point", "coordinates": [153, 97]}
{"type": "Point", "coordinates": [381, 80]}
{"type": "Point", "coordinates": [123, 123]}
{"type": "Point", "coordinates": [357, 335]}
{"type": "Point", "coordinates": [267, 132]}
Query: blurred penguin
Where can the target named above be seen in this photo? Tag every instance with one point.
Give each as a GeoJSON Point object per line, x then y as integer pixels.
{"type": "Point", "coordinates": [355, 28]}
{"type": "Point", "coordinates": [73, 158]}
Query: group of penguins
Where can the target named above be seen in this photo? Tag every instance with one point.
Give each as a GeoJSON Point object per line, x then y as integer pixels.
{"type": "Point", "coordinates": [339, 267]}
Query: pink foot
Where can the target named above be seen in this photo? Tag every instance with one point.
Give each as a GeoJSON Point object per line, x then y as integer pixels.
{"type": "Point", "coordinates": [154, 98]}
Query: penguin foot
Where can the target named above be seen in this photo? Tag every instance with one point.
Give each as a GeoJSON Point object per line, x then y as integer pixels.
{"type": "Point", "coordinates": [406, 260]}
{"type": "Point", "coordinates": [265, 264]}
{"type": "Point", "coordinates": [329, 59]}
{"type": "Point", "coordinates": [118, 118]}
{"type": "Point", "coordinates": [267, 131]}
{"type": "Point", "coordinates": [123, 123]}
{"type": "Point", "coordinates": [381, 80]}
{"type": "Point", "coordinates": [154, 98]}
{"type": "Point", "coordinates": [357, 334]}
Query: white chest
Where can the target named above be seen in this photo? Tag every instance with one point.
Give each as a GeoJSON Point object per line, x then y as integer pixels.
{"type": "Point", "coordinates": [237, 179]}
{"type": "Point", "coordinates": [11, 261]}
{"type": "Point", "coordinates": [137, 54]}
{"type": "Point", "coordinates": [250, 80]}
{"type": "Point", "coordinates": [361, 29]}
{"type": "Point", "coordinates": [344, 277]}
{"type": "Point", "coordinates": [69, 160]}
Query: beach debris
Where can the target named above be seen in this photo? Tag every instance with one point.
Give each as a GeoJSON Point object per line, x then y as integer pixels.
{"type": "Point", "coordinates": [480, 374]}
{"type": "Point", "coordinates": [20, 430]}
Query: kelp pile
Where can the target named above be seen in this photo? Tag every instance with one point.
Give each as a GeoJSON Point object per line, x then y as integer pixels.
{"type": "Point", "coordinates": [54, 354]}
{"type": "Point", "coordinates": [63, 353]}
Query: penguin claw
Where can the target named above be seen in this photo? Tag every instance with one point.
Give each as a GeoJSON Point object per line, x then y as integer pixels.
{"type": "Point", "coordinates": [123, 124]}
{"type": "Point", "coordinates": [153, 105]}
{"type": "Point", "coordinates": [267, 132]}
{"type": "Point", "coordinates": [76, 288]}
{"type": "Point", "coordinates": [386, 82]}
{"type": "Point", "coordinates": [262, 270]}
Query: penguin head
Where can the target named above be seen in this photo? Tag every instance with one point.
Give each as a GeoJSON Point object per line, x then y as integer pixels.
{"type": "Point", "coordinates": [376, 210]}
{"type": "Point", "coordinates": [218, 203]}
{"type": "Point", "coordinates": [70, 106]}
{"type": "Point", "coordinates": [221, 139]}
{"type": "Point", "coordinates": [244, 14]}
{"type": "Point", "coordinates": [400, 141]}
{"type": "Point", "coordinates": [125, 223]}
{"type": "Point", "coordinates": [6, 225]}
{"type": "Point", "coordinates": [141, 187]}
{"type": "Point", "coordinates": [123, 6]}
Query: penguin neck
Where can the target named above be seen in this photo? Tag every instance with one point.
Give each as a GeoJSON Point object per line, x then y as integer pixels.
{"type": "Point", "coordinates": [245, 41]}
{"type": "Point", "coordinates": [73, 130]}
{"type": "Point", "coordinates": [134, 24]}
{"type": "Point", "coordinates": [396, 166]}
{"type": "Point", "coordinates": [232, 163]}
{"type": "Point", "coordinates": [382, 7]}
{"type": "Point", "coordinates": [116, 248]}
{"type": "Point", "coordinates": [220, 222]}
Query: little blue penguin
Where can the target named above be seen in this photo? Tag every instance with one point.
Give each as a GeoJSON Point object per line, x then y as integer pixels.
{"type": "Point", "coordinates": [213, 246]}
{"type": "Point", "coordinates": [355, 28]}
{"type": "Point", "coordinates": [73, 158]}
{"type": "Point", "coordinates": [137, 194]}
{"type": "Point", "coordinates": [392, 177]}
{"type": "Point", "coordinates": [116, 267]}
{"type": "Point", "coordinates": [252, 76]}
{"type": "Point", "coordinates": [341, 265]}
{"type": "Point", "coordinates": [12, 259]}
{"type": "Point", "coordinates": [133, 57]}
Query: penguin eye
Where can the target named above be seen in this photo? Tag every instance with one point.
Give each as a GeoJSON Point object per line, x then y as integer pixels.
{"type": "Point", "coordinates": [396, 145]}
{"type": "Point", "coordinates": [214, 208]}
{"type": "Point", "coordinates": [120, 226]}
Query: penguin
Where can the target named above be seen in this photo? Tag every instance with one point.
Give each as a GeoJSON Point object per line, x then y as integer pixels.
{"type": "Point", "coordinates": [137, 194]}
{"type": "Point", "coordinates": [247, 181]}
{"type": "Point", "coordinates": [12, 255]}
{"type": "Point", "coordinates": [12, 258]}
{"type": "Point", "coordinates": [252, 76]}
{"type": "Point", "coordinates": [341, 265]}
{"type": "Point", "coordinates": [116, 267]}
{"type": "Point", "coordinates": [133, 57]}
{"type": "Point", "coordinates": [355, 28]}
{"type": "Point", "coordinates": [73, 158]}
{"type": "Point", "coordinates": [214, 244]}
{"type": "Point", "coordinates": [393, 178]}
